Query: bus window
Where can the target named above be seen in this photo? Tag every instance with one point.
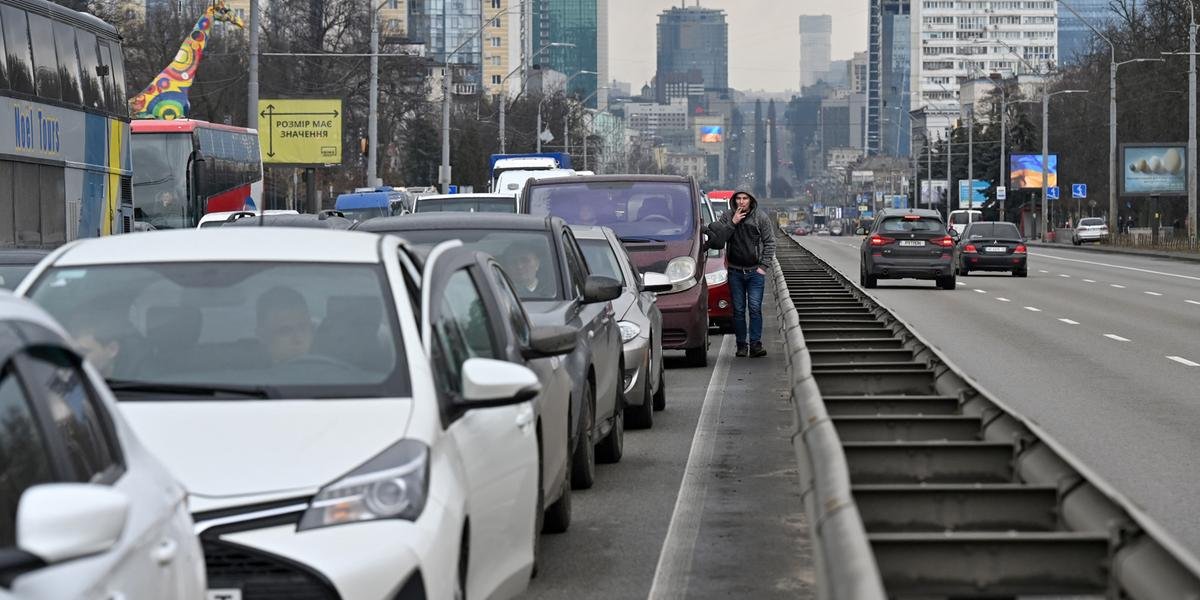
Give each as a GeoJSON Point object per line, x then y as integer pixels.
{"type": "Point", "coordinates": [89, 61]}
{"type": "Point", "coordinates": [3, 71]}
{"type": "Point", "coordinates": [68, 62]}
{"type": "Point", "coordinates": [118, 73]}
{"type": "Point", "coordinates": [16, 42]}
{"type": "Point", "coordinates": [106, 81]}
{"type": "Point", "coordinates": [45, 63]}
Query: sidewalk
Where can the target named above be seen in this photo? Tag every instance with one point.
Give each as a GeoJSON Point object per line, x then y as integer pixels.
{"type": "Point", "coordinates": [1183, 256]}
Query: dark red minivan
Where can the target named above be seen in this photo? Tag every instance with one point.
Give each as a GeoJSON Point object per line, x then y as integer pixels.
{"type": "Point", "coordinates": [657, 218]}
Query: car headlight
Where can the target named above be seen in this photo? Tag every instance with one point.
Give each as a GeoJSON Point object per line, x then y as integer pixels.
{"type": "Point", "coordinates": [681, 268]}
{"type": "Point", "coordinates": [716, 277]}
{"type": "Point", "coordinates": [392, 485]}
{"type": "Point", "coordinates": [628, 331]}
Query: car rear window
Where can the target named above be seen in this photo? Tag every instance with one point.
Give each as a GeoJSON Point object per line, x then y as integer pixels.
{"type": "Point", "coordinates": [996, 230]}
{"type": "Point", "coordinates": [903, 225]}
{"type": "Point", "coordinates": [1091, 222]}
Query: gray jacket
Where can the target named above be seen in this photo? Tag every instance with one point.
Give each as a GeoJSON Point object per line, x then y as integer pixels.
{"type": "Point", "coordinates": [751, 241]}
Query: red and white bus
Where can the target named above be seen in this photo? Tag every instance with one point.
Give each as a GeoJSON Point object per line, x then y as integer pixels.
{"type": "Point", "coordinates": [183, 169]}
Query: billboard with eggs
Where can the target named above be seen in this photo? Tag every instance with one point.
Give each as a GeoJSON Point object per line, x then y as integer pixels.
{"type": "Point", "coordinates": [711, 134]}
{"type": "Point", "coordinates": [1153, 169]}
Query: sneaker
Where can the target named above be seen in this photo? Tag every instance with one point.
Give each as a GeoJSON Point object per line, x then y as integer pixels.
{"type": "Point", "coordinates": [757, 350]}
{"type": "Point", "coordinates": [742, 350]}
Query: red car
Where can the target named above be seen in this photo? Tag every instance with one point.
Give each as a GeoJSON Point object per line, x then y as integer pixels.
{"type": "Point", "coordinates": [720, 302]}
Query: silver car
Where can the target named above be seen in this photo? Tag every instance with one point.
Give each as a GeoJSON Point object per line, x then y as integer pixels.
{"type": "Point", "coordinates": [638, 317]}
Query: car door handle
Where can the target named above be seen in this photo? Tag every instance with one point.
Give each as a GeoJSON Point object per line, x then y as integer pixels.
{"type": "Point", "coordinates": [524, 418]}
{"type": "Point", "coordinates": [165, 552]}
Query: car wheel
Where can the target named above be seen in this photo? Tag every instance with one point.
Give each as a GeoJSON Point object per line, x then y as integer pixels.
{"type": "Point", "coordinates": [641, 415]}
{"type": "Point", "coordinates": [964, 271]}
{"type": "Point", "coordinates": [660, 395]}
{"type": "Point", "coordinates": [866, 280]}
{"type": "Point", "coordinates": [612, 447]}
{"type": "Point", "coordinates": [583, 461]}
{"type": "Point", "coordinates": [539, 515]}
{"type": "Point", "coordinates": [557, 518]}
{"type": "Point", "coordinates": [1076, 241]}
{"type": "Point", "coordinates": [1021, 273]}
{"type": "Point", "coordinates": [946, 283]}
{"type": "Point", "coordinates": [464, 551]}
{"type": "Point", "coordinates": [697, 357]}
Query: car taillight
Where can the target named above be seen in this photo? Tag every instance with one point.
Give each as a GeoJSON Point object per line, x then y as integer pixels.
{"type": "Point", "coordinates": [946, 242]}
{"type": "Point", "coordinates": [970, 249]}
{"type": "Point", "coordinates": [879, 240]}
{"type": "Point", "coordinates": [1020, 249]}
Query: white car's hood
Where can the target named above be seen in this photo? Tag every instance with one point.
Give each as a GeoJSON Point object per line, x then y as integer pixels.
{"type": "Point", "coordinates": [257, 447]}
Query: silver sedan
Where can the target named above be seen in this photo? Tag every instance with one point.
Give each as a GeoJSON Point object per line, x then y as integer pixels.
{"type": "Point", "coordinates": [639, 319]}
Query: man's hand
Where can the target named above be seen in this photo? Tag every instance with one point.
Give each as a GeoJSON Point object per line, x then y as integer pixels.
{"type": "Point", "coordinates": [738, 215]}
{"type": "Point", "coordinates": [761, 271]}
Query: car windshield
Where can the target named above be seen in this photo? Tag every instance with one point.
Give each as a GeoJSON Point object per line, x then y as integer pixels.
{"type": "Point", "coordinates": [160, 176]}
{"type": "Point", "coordinates": [526, 256]}
{"type": "Point", "coordinates": [301, 330]}
{"type": "Point", "coordinates": [600, 258]}
{"type": "Point", "coordinates": [994, 230]}
{"type": "Point", "coordinates": [962, 218]}
{"type": "Point", "coordinates": [904, 225]}
{"type": "Point", "coordinates": [467, 204]}
{"type": "Point", "coordinates": [647, 210]}
{"type": "Point", "coordinates": [1091, 222]}
{"type": "Point", "coordinates": [11, 275]}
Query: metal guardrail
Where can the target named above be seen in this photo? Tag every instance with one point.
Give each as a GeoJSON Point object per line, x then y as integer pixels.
{"type": "Point", "coordinates": [919, 483]}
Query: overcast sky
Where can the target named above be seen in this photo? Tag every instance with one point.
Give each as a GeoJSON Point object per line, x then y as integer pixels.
{"type": "Point", "coordinates": [764, 38]}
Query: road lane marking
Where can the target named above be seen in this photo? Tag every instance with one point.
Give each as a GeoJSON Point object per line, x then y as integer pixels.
{"type": "Point", "coordinates": [1033, 309]}
{"type": "Point", "coordinates": [1193, 302]}
{"type": "Point", "coordinates": [1091, 262]}
{"type": "Point", "coordinates": [1064, 275]}
{"type": "Point", "coordinates": [1043, 271]}
{"type": "Point", "coordinates": [1183, 361]}
{"type": "Point", "coordinates": [1004, 299]}
{"type": "Point", "coordinates": [675, 559]}
{"type": "Point", "coordinates": [1152, 293]}
{"type": "Point", "coordinates": [1089, 281]}
{"type": "Point", "coordinates": [1113, 336]}
{"type": "Point", "coordinates": [980, 291]}
{"type": "Point", "coordinates": [1069, 322]}
{"type": "Point", "coordinates": [1117, 285]}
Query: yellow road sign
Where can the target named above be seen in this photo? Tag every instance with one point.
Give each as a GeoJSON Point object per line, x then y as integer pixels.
{"type": "Point", "coordinates": [300, 132]}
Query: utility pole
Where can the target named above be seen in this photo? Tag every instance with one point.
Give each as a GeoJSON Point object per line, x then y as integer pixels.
{"type": "Point", "coordinates": [373, 114]}
{"type": "Point", "coordinates": [252, 87]}
{"type": "Point", "coordinates": [971, 154]}
{"type": "Point", "coordinates": [949, 187]}
{"type": "Point", "coordinates": [929, 167]}
{"type": "Point", "coordinates": [1191, 157]}
{"type": "Point", "coordinates": [1046, 154]}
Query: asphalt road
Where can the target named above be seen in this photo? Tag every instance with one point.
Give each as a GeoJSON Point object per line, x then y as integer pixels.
{"type": "Point", "coordinates": [704, 505]}
{"type": "Point", "coordinates": [1103, 351]}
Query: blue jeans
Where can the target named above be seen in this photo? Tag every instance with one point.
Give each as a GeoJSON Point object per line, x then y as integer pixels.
{"type": "Point", "coordinates": [746, 287]}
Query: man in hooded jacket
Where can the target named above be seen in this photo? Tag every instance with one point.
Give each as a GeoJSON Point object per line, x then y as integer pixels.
{"type": "Point", "coordinates": [748, 235]}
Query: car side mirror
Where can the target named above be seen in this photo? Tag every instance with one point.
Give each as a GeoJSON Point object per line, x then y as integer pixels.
{"type": "Point", "coordinates": [860, 231]}
{"type": "Point", "coordinates": [487, 382]}
{"type": "Point", "coordinates": [954, 233]}
{"type": "Point", "coordinates": [550, 340]}
{"type": "Point", "coordinates": [656, 282]}
{"type": "Point", "coordinates": [598, 288]}
{"type": "Point", "coordinates": [58, 522]}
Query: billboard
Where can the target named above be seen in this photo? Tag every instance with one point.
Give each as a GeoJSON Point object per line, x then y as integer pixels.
{"type": "Point", "coordinates": [1025, 170]}
{"type": "Point", "coordinates": [712, 134]}
{"type": "Point", "coordinates": [1151, 170]}
{"type": "Point", "coordinates": [939, 191]}
{"type": "Point", "coordinates": [972, 196]}
{"type": "Point", "coordinates": [300, 132]}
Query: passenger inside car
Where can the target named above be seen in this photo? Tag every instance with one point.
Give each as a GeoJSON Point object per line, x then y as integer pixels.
{"type": "Point", "coordinates": [285, 325]}
{"type": "Point", "coordinates": [523, 264]}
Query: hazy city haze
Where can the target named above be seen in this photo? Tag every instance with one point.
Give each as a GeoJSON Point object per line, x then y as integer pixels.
{"type": "Point", "coordinates": [764, 38]}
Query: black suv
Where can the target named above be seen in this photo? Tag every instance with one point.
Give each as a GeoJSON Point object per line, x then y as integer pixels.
{"type": "Point", "coordinates": [907, 244]}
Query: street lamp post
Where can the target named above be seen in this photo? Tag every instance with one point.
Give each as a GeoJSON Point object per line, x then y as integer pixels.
{"type": "Point", "coordinates": [1045, 154]}
{"type": "Point", "coordinates": [1191, 150]}
{"type": "Point", "coordinates": [543, 101]}
{"type": "Point", "coordinates": [503, 97]}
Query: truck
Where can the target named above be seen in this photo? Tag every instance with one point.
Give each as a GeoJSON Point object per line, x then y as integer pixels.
{"type": "Point", "coordinates": [533, 161]}
{"type": "Point", "coordinates": [370, 202]}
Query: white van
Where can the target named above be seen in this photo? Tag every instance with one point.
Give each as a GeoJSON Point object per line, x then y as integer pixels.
{"type": "Point", "coordinates": [959, 219]}
{"type": "Point", "coordinates": [512, 182]}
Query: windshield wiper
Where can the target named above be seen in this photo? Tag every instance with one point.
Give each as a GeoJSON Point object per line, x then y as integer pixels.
{"type": "Point", "coordinates": [640, 239]}
{"type": "Point", "coordinates": [184, 389]}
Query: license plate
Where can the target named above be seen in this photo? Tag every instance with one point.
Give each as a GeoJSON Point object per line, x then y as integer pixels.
{"type": "Point", "coordinates": [912, 243]}
{"type": "Point", "coordinates": [995, 249]}
{"type": "Point", "coordinates": [224, 594]}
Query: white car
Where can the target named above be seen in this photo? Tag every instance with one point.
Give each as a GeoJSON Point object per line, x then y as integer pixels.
{"type": "Point", "coordinates": [217, 219]}
{"type": "Point", "coordinates": [85, 511]}
{"type": "Point", "coordinates": [1089, 229]}
{"type": "Point", "coordinates": [503, 203]}
{"type": "Point", "coordinates": [339, 437]}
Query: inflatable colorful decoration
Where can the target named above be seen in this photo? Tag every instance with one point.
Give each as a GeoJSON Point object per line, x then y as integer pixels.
{"type": "Point", "coordinates": [167, 96]}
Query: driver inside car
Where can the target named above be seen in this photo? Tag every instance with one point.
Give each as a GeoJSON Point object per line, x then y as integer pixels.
{"type": "Point", "coordinates": [654, 208]}
{"type": "Point", "coordinates": [284, 324]}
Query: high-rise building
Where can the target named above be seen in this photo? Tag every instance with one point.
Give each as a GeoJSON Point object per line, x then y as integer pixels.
{"type": "Point", "coordinates": [889, 76]}
{"type": "Point", "coordinates": [959, 40]}
{"type": "Point", "coordinates": [692, 38]}
{"type": "Point", "coordinates": [501, 46]}
{"type": "Point", "coordinates": [815, 31]}
{"type": "Point", "coordinates": [572, 22]}
{"type": "Point", "coordinates": [1074, 35]}
{"type": "Point", "coordinates": [857, 74]}
{"type": "Point", "coordinates": [393, 18]}
{"type": "Point", "coordinates": [448, 30]}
